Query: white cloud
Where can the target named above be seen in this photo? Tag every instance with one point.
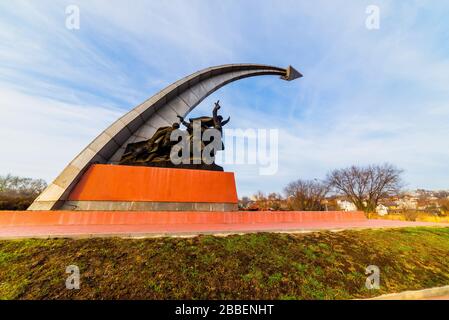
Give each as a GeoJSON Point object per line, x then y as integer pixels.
{"type": "Point", "coordinates": [40, 136]}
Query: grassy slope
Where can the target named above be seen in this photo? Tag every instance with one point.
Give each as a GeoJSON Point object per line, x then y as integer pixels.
{"type": "Point", "coordinates": [321, 265]}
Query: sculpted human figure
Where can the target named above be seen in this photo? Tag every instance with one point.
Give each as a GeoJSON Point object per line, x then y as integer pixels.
{"type": "Point", "coordinates": [156, 150]}
{"type": "Point", "coordinates": [216, 121]}
{"type": "Point", "coordinates": [158, 146]}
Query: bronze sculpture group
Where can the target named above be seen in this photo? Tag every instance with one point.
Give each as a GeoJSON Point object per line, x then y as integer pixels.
{"type": "Point", "coordinates": [156, 151]}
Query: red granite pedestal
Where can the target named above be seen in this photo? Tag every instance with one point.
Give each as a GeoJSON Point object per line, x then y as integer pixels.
{"type": "Point", "coordinates": [133, 188]}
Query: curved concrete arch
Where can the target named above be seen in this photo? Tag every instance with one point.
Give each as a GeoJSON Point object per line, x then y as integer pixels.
{"type": "Point", "coordinates": [141, 122]}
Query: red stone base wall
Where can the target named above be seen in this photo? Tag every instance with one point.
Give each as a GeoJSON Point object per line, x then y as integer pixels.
{"type": "Point", "coordinates": [55, 218]}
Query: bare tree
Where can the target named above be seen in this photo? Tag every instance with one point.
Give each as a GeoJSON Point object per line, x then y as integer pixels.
{"type": "Point", "coordinates": [14, 185]}
{"type": "Point", "coordinates": [18, 193]}
{"type": "Point", "coordinates": [444, 206]}
{"type": "Point", "coordinates": [306, 195]}
{"type": "Point", "coordinates": [366, 186]}
{"type": "Point", "coordinates": [244, 202]}
{"type": "Point", "coordinates": [260, 200]}
{"type": "Point", "coordinates": [274, 201]}
{"type": "Point", "coordinates": [442, 194]}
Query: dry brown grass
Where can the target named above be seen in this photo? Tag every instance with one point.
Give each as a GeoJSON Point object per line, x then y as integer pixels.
{"type": "Point", "coordinates": [321, 265]}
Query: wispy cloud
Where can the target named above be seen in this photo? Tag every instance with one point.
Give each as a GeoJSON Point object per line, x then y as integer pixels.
{"type": "Point", "coordinates": [40, 135]}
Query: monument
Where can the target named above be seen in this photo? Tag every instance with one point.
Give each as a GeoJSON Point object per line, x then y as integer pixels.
{"type": "Point", "coordinates": [134, 165]}
{"type": "Point", "coordinates": [157, 151]}
{"type": "Point", "coordinates": [152, 172]}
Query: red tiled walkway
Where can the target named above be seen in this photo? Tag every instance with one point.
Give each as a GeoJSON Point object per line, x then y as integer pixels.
{"type": "Point", "coordinates": [25, 224]}
{"type": "Point", "coordinates": [155, 230]}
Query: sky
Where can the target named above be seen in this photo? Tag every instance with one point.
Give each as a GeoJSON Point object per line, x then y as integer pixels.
{"type": "Point", "coordinates": [367, 95]}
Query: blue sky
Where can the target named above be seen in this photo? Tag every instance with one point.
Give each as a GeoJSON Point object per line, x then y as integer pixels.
{"type": "Point", "coordinates": [367, 96]}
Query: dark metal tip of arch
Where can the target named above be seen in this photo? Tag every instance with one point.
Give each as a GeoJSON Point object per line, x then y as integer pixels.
{"type": "Point", "coordinates": [292, 74]}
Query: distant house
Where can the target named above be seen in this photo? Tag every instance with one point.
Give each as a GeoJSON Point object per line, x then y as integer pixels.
{"type": "Point", "coordinates": [382, 210]}
{"type": "Point", "coordinates": [407, 203]}
{"type": "Point", "coordinates": [346, 205]}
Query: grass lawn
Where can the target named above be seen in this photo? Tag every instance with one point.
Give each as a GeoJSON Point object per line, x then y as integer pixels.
{"type": "Point", "coordinates": [322, 265]}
